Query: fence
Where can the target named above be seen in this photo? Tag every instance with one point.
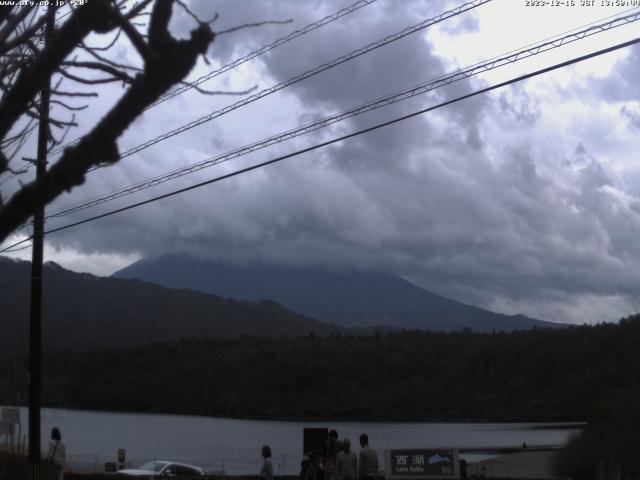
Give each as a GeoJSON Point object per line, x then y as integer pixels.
{"type": "Point", "coordinates": [11, 430]}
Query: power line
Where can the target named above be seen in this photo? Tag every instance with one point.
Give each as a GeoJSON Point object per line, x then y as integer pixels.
{"type": "Point", "coordinates": [339, 139]}
{"type": "Point", "coordinates": [328, 19]}
{"type": "Point", "coordinates": [17, 249]}
{"type": "Point", "coordinates": [10, 176]}
{"type": "Point", "coordinates": [10, 247]}
{"type": "Point", "coordinates": [321, 68]}
{"type": "Point", "coordinates": [256, 53]}
{"type": "Point", "coordinates": [309, 73]}
{"type": "Point", "coordinates": [250, 56]}
{"type": "Point", "coordinates": [351, 135]}
{"type": "Point", "coordinates": [496, 62]}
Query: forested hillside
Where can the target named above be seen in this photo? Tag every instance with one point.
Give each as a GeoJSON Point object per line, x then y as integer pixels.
{"type": "Point", "coordinates": [542, 375]}
{"type": "Point", "coordinates": [84, 311]}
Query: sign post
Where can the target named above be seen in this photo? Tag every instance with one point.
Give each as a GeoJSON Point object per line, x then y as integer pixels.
{"type": "Point", "coordinates": [313, 439]}
{"type": "Point", "coordinates": [413, 464]}
{"type": "Point", "coordinates": [122, 457]}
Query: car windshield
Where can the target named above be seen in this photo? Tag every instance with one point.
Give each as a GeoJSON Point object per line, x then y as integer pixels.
{"type": "Point", "coordinates": [154, 466]}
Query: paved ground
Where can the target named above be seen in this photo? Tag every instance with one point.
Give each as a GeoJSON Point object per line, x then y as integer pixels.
{"type": "Point", "coordinates": [532, 465]}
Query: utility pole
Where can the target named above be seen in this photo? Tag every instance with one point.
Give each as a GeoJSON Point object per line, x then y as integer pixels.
{"type": "Point", "coordinates": [35, 333]}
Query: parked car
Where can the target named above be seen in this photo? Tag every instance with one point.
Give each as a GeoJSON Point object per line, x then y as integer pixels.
{"type": "Point", "coordinates": [161, 469]}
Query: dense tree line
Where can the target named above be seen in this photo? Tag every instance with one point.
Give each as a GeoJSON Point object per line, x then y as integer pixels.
{"type": "Point", "coordinates": [608, 447]}
{"type": "Point", "coordinates": [538, 375]}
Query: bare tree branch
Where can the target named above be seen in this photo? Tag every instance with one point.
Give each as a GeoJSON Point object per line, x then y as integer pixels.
{"type": "Point", "coordinates": [84, 20]}
{"type": "Point", "coordinates": [172, 61]}
{"type": "Point", "coordinates": [63, 93]}
{"type": "Point", "coordinates": [5, 12]}
{"type": "Point", "coordinates": [54, 141]}
{"type": "Point", "coordinates": [137, 9]}
{"type": "Point", "coordinates": [134, 36]}
{"type": "Point", "coordinates": [27, 34]}
{"type": "Point", "coordinates": [159, 36]}
{"type": "Point", "coordinates": [92, 51]}
{"type": "Point", "coordinates": [12, 23]}
{"type": "Point", "coordinates": [69, 107]}
{"type": "Point", "coordinates": [62, 123]}
{"type": "Point", "coordinates": [219, 92]}
{"type": "Point", "coordinates": [188, 11]}
{"type": "Point", "coordinates": [251, 25]}
{"type": "Point", "coordinates": [116, 75]}
{"type": "Point", "coordinates": [15, 137]}
{"type": "Point", "coordinates": [17, 172]}
{"type": "Point", "coordinates": [107, 47]}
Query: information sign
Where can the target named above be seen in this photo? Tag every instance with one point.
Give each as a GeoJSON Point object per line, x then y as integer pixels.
{"type": "Point", "coordinates": [422, 463]}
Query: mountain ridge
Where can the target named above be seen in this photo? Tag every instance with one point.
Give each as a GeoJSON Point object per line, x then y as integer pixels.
{"type": "Point", "coordinates": [346, 298]}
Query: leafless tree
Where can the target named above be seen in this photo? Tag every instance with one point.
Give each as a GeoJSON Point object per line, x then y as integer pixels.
{"type": "Point", "coordinates": [70, 56]}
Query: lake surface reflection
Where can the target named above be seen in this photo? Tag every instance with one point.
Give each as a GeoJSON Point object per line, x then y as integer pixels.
{"type": "Point", "coordinates": [234, 445]}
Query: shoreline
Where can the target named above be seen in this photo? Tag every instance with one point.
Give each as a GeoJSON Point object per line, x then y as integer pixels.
{"type": "Point", "coordinates": [529, 464]}
{"type": "Point", "coordinates": [552, 424]}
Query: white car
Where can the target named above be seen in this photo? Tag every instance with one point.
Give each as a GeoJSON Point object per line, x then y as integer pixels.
{"type": "Point", "coordinates": [160, 468]}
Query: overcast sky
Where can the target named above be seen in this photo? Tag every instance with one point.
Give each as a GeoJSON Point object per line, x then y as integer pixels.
{"type": "Point", "coordinates": [522, 200]}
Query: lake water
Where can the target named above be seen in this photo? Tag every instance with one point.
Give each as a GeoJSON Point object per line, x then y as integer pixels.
{"type": "Point", "coordinates": [234, 445]}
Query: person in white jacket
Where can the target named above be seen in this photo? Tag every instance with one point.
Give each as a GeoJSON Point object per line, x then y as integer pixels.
{"type": "Point", "coordinates": [347, 462]}
{"type": "Point", "coordinates": [57, 455]}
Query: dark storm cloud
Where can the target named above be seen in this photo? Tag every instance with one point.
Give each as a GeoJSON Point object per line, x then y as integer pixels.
{"type": "Point", "coordinates": [622, 85]}
{"type": "Point", "coordinates": [520, 104]}
{"type": "Point", "coordinates": [388, 69]}
{"type": "Point", "coordinates": [380, 72]}
{"type": "Point", "coordinates": [450, 218]}
{"type": "Point", "coordinates": [481, 201]}
{"type": "Point", "coordinates": [632, 115]}
{"type": "Point", "coordinates": [228, 47]}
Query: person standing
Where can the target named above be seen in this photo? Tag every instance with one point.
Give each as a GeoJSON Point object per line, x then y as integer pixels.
{"type": "Point", "coordinates": [368, 460]}
{"type": "Point", "coordinates": [347, 462]}
{"type": "Point", "coordinates": [266, 472]}
{"type": "Point", "coordinates": [57, 455]}
{"type": "Point", "coordinates": [330, 455]}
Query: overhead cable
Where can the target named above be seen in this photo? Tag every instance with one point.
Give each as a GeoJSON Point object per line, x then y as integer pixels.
{"type": "Point", "coordinates": [411, 92]}
{"type": "Point", "coordinates": [348, 136]}
{"type": "Point", "coordinates": [309, 73]}
{"type": "Point", "coordinates": [338, 139]}
{"type": "Point", "coordinates": [256, 53]}
{"type": "Point", "coordinates": [250, 56]}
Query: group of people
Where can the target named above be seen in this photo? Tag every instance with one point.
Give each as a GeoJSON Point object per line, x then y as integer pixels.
{"type": "Point", "coordinates": [335, 461]}
{"type": "Point", "coordinates": [340, 463]}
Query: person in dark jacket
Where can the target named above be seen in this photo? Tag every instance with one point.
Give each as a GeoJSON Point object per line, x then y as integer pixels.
{"type": "Point", "coordinates": [368, 460]}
